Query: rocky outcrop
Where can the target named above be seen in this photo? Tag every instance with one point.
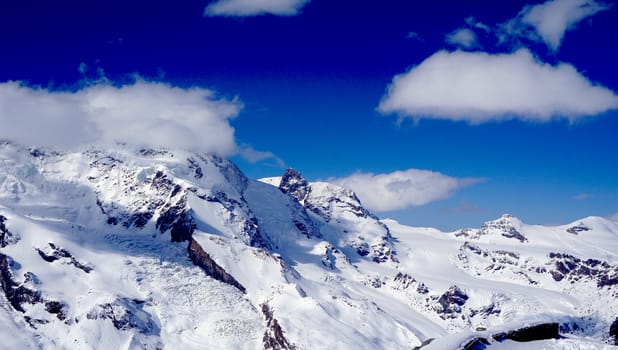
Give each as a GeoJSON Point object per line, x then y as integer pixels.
{"type": "Point", "coordinates": [531, 333]}
{"type": "Point", "coordinates": [212, 269]}
{"type": "Point", "coordinates": [19, 294]}
{"type": "Point", "coordinates": [6, 236]}
{"type": "Point", "coordinates": [274, 339]}
{"type": "Point", "coordinates": [451, 302]}
{"type": "Point", "coordinates": [176, 218]}
{"type": "Point", "coordinates": [56, 253]}
{"type": "Point", "coordinates": [613, 331]}
{"type": "Point", "coordinates": [125, 314]}
{"type": "Point", "coordinates": [477, 343]}
{"type": "Point", "coordinates": [573, 269]}
{"type": "Point", "coordinates": [294, 184]}
{"type": "Point", "coordinates": [577, 229]}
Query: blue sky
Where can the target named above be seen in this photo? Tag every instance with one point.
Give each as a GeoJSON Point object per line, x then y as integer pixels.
{"type": "Point", "coordinates": [310, 84]}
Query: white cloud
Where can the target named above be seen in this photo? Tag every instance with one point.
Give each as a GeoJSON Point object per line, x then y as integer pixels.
{"type": "Point", "coordinates": [82, 68]}
{"type": "Point", "coordinates": [549, 21]}
{"type": "Point", "coordinates": [582, 196]}
{"type": "Point", "coordinates": [613, 217]}
{"type": "Point", "coordinates": [478, 87]}
{"type": "Point", "coordinates": [253, 156]}
{"type": "Point", "coordinates": [401, 189]}
{"type": "Point", "coordinates": [414, 36]}
{"type": "Point", "coordinates": [463, 37]}
{"type": "Point", "coordinates": [473, 23]}
{"type": "Point", "coordinates": [143, 114]}
{"type": "Point", "coordinates": [244, 8]}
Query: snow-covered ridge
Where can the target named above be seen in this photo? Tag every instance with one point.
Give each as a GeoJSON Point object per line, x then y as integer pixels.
{"type": "Point", "coordinates": [174, 249]}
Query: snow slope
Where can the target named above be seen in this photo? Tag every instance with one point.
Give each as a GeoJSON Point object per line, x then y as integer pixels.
{"type": "Point", "coordinates": [157, 249]}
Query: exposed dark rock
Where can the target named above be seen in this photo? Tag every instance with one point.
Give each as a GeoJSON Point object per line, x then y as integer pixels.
{"type": "Point", "coordinates": [197, 170]}
{"type": "Point", "coordinates": [105, 163]}
{"type": "Point", "coordinates": [303, 228]}
{"type": "Point", "coordinates": [58, 253]}
{"type": "Point", "coordinates": [451, 301]}
{"type": "Point", "coordinates": [613, 331]}
{"type": "Point", "coordinates": [212, 269]}
{"type": "Point", "coordinates": [330, 256]}
{"type": "Point", "coordinates": [37, 153]}
{"type": "Point", "coordinates": [422, 288]}
{"type": "Point", "coordinates": [485, 311]}
{"type": "Point", "coordinates": [138, 220]}
{"type": "Point", "coordinates": [465, 232]}
{"type": "Point", "coordinates": [57, 308]}
{"type": "Point", "coordinates": [362, 249]}
{"type": "Point", "coordinates": [16, 294]}
{"type": "Point", "coordinates": [475, 249]}
{"type": "Point", "coordinates": [478, 343]}
{"type": "Point", "coordinates": [150, 152]}
{"type": "Point", "coordinates": [374, 281]}
{"type": "Point", "coordinates": [294, 184]}
{"type": "Point", "coordinates": [177, 219]}
{"type": "Point", "coordinates": [126, 314]}
{"type": "Point", "coordinates": [513, 233]}
{"type": "Point", "coordinates": [183, 228]}
{"type": "Point", "coordinates": [532, 333]}
{"type": "Point", "coordinates": [6, 236]}
{"type": "Point", "coordinates": [34, 322]}
{"type": "Point", "coordinates": [274, 339]}
{"type": "Point", "coordinates": [577, 229]}
{"type": "Point", "coordinates": [574, 269]}
{"type": "Point", "coordinates": [403, 281]}
{"type": "Point", "coordinates": [383, 252]}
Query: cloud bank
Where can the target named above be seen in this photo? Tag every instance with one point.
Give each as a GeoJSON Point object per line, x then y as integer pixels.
{"type": "Point", "coordinates": [143, 114]}
{"type": "Point", "coordinates": [402, 189]}
{"type": "Point", "coordinates": [549, 21]}
{"type": "Point", "coordinates": [477, 87]}
{"type": "Point", "coordinates": [245, 8]}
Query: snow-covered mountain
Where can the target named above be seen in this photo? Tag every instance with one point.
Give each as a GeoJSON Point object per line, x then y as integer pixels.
{"type": "Point", "coordinates": [156, 249]}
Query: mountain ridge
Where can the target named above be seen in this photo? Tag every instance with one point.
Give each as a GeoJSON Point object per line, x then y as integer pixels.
{"type": "Point", "coordinates": [184, 249]}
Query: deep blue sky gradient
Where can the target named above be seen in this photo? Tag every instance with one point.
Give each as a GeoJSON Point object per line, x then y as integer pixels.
{"type": "Point", "coordinates": [311, 84]}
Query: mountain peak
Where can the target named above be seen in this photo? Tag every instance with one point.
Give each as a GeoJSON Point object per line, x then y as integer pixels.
{"type": "Point", "coordinates": [293, 183]}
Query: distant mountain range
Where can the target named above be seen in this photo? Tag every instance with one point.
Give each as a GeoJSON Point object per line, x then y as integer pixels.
{"type": "Point", "coordinates": [130, 248]}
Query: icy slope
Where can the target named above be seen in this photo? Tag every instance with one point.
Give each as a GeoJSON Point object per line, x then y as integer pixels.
{"type": "Point", "coordinates": [143, 249]}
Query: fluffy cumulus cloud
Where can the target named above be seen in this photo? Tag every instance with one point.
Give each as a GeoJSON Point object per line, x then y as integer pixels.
{"type": "Point", "coordinates": [402, 189]}
{"type": "Point", "coordinates": [477, 87]}
{"type": "Point", "coordinates": [614, 217]}
{"type": "Point", "coordinates": [549, 21]}
{"type": "Point", "coordinates": [143, 114]}
{"type": "Point", "coordinates": [463, 37]}
{"type": "Point", "coordinates": [245, 8]}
